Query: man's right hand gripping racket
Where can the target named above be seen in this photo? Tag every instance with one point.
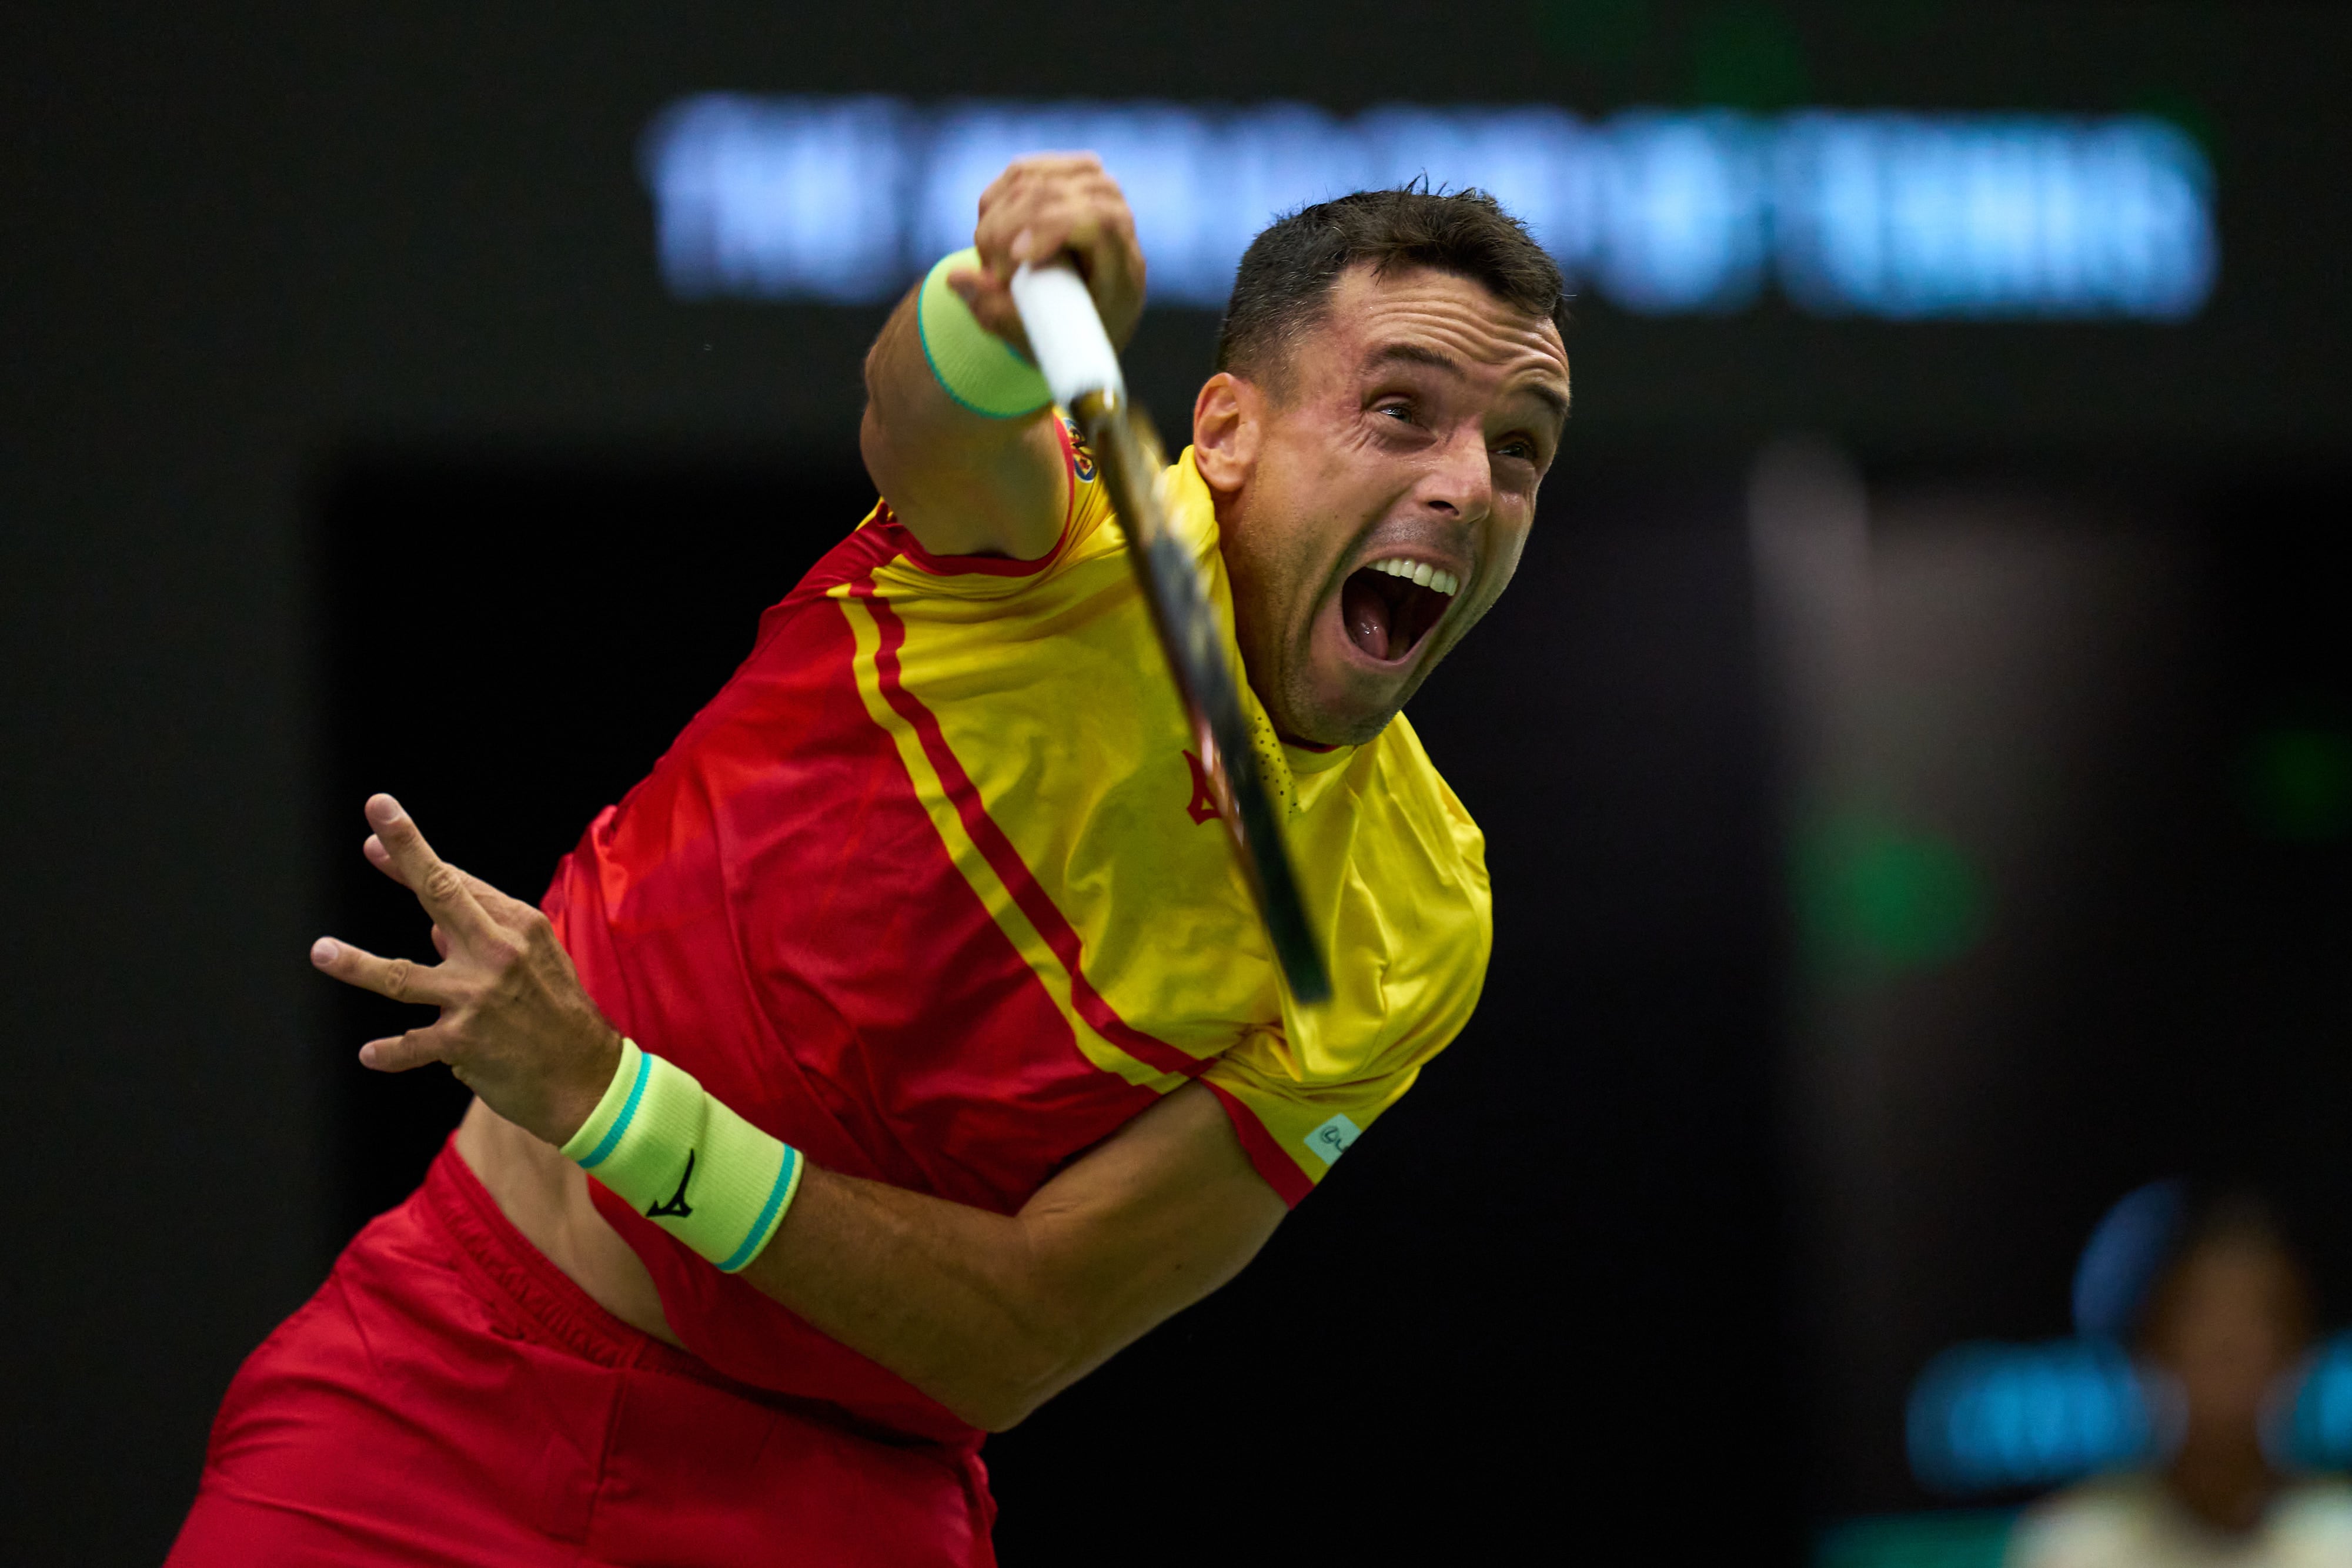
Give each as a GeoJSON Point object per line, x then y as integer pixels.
{"type": "Point", "coordinates": [1067, 341]}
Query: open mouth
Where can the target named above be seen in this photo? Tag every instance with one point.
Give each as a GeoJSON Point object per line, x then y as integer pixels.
{"type": "Point", "coordinates": [1389, 606]}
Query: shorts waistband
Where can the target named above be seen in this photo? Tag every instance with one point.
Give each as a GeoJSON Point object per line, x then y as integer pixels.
{"type": "Point", "coordinates": [507, 1266]}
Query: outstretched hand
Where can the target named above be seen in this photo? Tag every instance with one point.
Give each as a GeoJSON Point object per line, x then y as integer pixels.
{"type": "Point", "coordinates": [516, 1025]}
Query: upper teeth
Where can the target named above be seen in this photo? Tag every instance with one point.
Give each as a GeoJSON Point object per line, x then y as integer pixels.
{"type": "Point", "coordinates": [1421, 572]}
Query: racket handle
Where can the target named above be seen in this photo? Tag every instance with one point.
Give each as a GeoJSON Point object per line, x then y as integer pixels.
{"type": "Point", "coordinates": [1065, 332]}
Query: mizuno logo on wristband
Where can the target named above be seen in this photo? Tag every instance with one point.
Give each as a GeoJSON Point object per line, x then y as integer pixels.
{"type": "Point", "coordinates": [677, 1207]}
{"type": "Point", "coordinates": [653, 1118]}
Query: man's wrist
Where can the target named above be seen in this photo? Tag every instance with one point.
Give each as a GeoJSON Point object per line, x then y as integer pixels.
{"type": "Point", "coordinates": [975, 367]}
{"type": "Point", "coordinates": [658, 1139]}
{"type": "Point", "coordinates": [578, 1103]}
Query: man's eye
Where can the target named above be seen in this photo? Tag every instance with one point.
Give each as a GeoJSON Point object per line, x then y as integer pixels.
{"type": "Point", "coordinates": [1398, 409]}
{"type": "Point", "coordinates": [1517, 446]}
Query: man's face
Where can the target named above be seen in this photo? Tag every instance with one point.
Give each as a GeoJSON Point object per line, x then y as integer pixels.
{"type": "Point", "coordinates": [1373, 503]}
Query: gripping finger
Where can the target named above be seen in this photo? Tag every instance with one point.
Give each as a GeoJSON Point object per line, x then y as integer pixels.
{"type": "Point", "coordinates": [1029, 174]}
{"type": "Point", "coordinates": [398, 978]}
{"type": "Point", "coordinates": [992, 304]}
{"type": "Point", "coordinates": [1028, 214]}
{"type": "Point", "coordinates": [438, 885]}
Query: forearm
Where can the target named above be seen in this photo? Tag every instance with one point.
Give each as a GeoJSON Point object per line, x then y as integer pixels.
{"type": "Point", "coordinates": [992, 1314]}
{"type": "Point", "coordinates": [964, 482]}
{"type": "Point", "coordinates": [958, 1301]}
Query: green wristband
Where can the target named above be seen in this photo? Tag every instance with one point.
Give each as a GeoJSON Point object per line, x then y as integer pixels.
{"type": "Point", "coordinates": [979, 369]}
{"type": "Point", "coordinates": [698, 1170]}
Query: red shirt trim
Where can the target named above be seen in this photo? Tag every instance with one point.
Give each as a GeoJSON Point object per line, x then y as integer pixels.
{"type": "Point", "coordinates": [1003, 858]}
{"type": "Point", "coordinates": [1280, 1171]}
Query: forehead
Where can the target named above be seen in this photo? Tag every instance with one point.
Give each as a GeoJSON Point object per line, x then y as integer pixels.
{"type": "Point", "coordinates": [1370, 312]}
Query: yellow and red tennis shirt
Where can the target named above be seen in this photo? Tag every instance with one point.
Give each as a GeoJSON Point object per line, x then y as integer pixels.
{"type": "Point", "coordinates": [934, 891]}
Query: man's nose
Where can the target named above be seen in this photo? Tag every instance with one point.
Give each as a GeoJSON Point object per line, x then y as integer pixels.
{"type": "Point", "coordinates": [1461, 478]}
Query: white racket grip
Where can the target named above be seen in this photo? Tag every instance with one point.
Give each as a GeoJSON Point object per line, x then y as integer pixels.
{"type": "Point", "coordinates": [1065, 332]}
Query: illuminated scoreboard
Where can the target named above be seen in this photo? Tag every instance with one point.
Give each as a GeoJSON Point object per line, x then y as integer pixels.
{"type": "Point", "coordinates": [1898, 215]}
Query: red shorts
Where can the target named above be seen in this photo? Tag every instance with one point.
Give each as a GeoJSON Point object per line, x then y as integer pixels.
{"type": "Point", "coordinates": [449, 1396]}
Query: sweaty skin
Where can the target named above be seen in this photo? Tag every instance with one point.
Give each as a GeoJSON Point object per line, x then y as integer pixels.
{"type": "Point", "coordinates": [1414, 423]}
{"type": "Point", "coordinates": [1415, 419]}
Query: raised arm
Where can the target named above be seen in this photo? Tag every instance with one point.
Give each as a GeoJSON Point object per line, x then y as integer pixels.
{"type": "Point", "coordinates": [971, 483]}
{"type": "Point", "coordinates": [989, 1314]}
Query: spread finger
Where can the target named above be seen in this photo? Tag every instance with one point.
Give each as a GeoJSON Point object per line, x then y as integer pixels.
{"type": "Point", "coordinates": [439, 886]}
{"type": "Point", "coordinates": [401, 1053]}
{"type": "Point", "coordinates": [399, 978]}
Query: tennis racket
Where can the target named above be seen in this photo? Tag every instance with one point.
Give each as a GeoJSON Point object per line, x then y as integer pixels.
{"type": "Point", "coordinates": [1067, 341]}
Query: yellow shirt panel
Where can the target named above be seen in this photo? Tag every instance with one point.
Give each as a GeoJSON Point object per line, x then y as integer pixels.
{"type": "Point", "coordinates": [1049, 687]}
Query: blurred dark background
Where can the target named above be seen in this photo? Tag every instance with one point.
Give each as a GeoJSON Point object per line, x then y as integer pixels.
{"type": "Point", "coordinates": [1917, 758]}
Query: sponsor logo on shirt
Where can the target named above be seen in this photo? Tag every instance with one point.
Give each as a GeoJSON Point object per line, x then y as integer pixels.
{"type": "Point", "coordinates": [1331, 1140]}
{"type": "Point", "coordinates": [1203, 806]}
{"type": "Point", "coordinates": [1082, 456]}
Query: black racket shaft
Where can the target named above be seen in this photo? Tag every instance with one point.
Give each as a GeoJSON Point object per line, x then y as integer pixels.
{"type": "Point", "coordinates": [1132, 460]}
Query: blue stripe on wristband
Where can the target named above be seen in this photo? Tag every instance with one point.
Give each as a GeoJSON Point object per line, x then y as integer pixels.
{"type": "Point", "coordinates": [787, 1177]}
{"type": "Point", "coordinates": [612, 1137]}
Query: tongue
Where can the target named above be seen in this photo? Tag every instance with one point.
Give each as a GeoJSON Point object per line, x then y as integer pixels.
{"type": "Point", "coordinates": [1366, 616]}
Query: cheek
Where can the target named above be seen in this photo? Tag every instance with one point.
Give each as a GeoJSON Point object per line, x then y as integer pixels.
{"type": "Point", "coordinates": [1269, 556]}
{"type": "Point", "coordinates": [1306, 507]}
{"type": "Point", "coordinates": [1510, 542]}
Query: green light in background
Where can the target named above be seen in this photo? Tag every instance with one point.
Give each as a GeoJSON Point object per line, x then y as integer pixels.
{"type": "Point", "coordinates": [1747, 55]}
{"type": "Point", "coordinates": [2299, 783]}
{"type": "Point", "coordinates": [1971, 1538]}
{"type": "Point", "coordinates": [1874, 894]}
{"type": "Point", "coordinates": [1604, 34]}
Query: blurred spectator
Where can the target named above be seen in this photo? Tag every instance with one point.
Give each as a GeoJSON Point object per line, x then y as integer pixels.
{"type": "Point", "coordinates": [2222, 1319]}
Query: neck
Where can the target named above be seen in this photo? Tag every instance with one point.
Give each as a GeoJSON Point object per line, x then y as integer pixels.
{"type": "Point", "coordinates": [2227, 1485]}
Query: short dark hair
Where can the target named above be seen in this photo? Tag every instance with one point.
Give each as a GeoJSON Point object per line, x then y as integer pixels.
{"type": "Point", "coordinates": [1288, 274]}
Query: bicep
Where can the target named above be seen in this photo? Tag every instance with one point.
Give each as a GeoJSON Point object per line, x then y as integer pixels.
{"type": "Point", "coordinates": [961, 483]}
{"type": "Point", "coordinates": [1151, 1220]}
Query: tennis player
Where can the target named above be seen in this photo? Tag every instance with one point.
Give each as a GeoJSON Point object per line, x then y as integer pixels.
{"type": "Point", "coordinates": [907, 1043]}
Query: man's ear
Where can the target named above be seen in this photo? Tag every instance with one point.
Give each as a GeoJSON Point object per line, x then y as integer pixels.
{"type": "Point", "coordinates": [1228, 422]}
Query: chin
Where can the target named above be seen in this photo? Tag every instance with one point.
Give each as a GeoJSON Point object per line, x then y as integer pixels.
{"type": "Point", "coordinates": [1331, 691]}
{"type": "Point", "coordinates": [1358, 733]}
{"type": "Point", "coordinates": [1334, 718]}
